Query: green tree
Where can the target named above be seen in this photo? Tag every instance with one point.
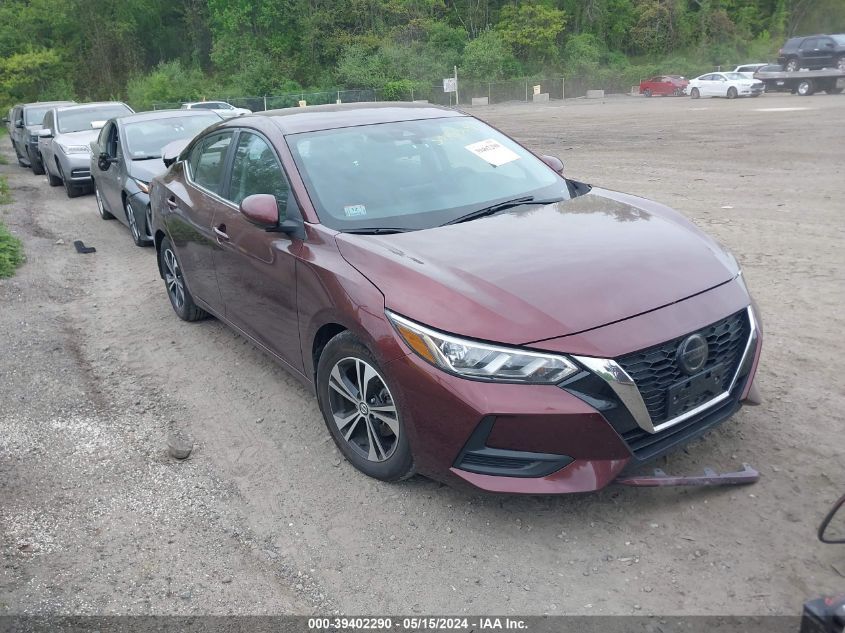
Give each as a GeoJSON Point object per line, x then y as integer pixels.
{"type": "Point", "coordinates": [531, 29]}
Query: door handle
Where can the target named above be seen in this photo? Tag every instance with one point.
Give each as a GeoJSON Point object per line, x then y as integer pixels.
{"type": "Point", "coordinates": [171, 202]}
{"type": "Point", "coordinates": [220, 232]}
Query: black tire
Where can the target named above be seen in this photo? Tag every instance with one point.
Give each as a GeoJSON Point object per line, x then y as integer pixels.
{"type": "Point", "coordinates": [393, 459]}
{"type": "Point", "coordinates": [791, 65]}
{"type": "Point", "coordinates": [646, 92]}
{"type": "Point", "coordinates": [101, 206]}
{"type": "Point", "coordinates": [174, 284]}
{"type": "Point", "coordinates": [72, 191]}
{"type": "Point", "coordinates": [694, 93]}
{"type": "Point", "coordinates": [54, 181]}
{"type": "Point", "coordinates": [732, 94]}
{"type": "Point", "coordinates": [678, 92]}
{"type": "Point", "coordinates": [805, 88]}
{"type": "Point", "coordinates": [36, 164]}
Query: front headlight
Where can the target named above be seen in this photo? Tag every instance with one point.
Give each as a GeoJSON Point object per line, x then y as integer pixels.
{"type": "Point", "coordinates": [143, 186]}
{"type": "Point", "coordinates": [74, 149]}
{"type": "Point", "coordinates": [472, 359]}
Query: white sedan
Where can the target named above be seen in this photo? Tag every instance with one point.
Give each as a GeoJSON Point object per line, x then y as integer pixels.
{"type": "Point", "coordinates": [222, 108]}
{"type": "Point", "coordinates": [730, 85]}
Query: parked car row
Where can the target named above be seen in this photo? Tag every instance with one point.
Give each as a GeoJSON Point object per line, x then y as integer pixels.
{"type": "Point", "coordinates": [441, 290]}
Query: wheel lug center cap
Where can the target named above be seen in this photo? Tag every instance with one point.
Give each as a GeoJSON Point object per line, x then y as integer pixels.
{"type": "Point", "coordinates": [363, 408]}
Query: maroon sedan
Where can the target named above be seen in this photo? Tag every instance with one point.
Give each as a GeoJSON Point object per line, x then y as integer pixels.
{"type": "Point", "coordinates": [459, 308]}
{"type": "Point", "coordinates": [664, 85]}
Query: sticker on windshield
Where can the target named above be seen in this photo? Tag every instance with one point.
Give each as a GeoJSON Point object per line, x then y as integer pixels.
{"type": "Point", "coordinates": [493, 152]}
{"type": "Point", "coordinates": [355, 210]}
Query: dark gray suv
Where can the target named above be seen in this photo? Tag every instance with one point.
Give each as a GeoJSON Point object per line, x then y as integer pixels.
{"type": "Point", "coordinates": [25, 121]}
{"type": "Point", "coordinates": [813, 52]}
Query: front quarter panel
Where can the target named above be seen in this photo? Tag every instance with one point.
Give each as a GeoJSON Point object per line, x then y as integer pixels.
{"type": "Point", "coordinates": [331, 291]}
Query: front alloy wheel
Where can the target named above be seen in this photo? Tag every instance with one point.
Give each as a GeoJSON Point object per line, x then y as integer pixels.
{"type": "Point", "coordinates": [360, 410]}
{"type": "Point", "coordinates": [137, 237]}
{"type": "Point", "coordinates": [363, 409]}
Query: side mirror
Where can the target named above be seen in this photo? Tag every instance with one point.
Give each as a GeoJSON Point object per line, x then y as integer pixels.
{"type": "Point", "coordinates": [19, 123]}
{"type": "Point", "coordinates": [5, 119]}
{"type": "Point", "coordinates": [837, 534]}
{"type": "Point", "coordinates": [170, 152]}
{"type": "Point", "coordinates": [554, 162]}
{"type": "Point", "coordinates": [262, 209]}
{"type": "Point", "coordinates": [104, 161]}
{"type": "Point", "coordinates": [45, 133]}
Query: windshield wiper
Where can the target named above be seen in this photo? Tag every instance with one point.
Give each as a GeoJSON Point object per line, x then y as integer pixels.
{"type": "Point", "coordinates": [378, 230]}
{"type": "Point", "coordinates": [145, 157]}
{"type": "Point", "coordinates": [501, 206]}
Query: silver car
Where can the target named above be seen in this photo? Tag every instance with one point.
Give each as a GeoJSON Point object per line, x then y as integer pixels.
{"type": "Point", "coordinates": [64, 142]}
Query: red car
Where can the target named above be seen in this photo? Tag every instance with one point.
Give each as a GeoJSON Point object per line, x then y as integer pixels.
{"type": "Point", "coordinates": [665, 85]}
{"type": "Point", "coordinates": [459, 308]}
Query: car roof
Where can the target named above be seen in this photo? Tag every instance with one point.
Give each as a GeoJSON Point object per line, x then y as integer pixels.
{"type": "Point", "coordinates": [80, 106]}
{"type": "Point", "coordinates": [190, 103]}
{"type": "Point", "coordinates": [154, 115]}
{"type": "Point", "coordinates": [333, 116]}
{"type": "Point", "coordinates": [47, 103]}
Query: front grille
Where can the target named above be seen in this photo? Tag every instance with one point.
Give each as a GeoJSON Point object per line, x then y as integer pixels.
{"type": "Point", "coordinates": [656, 369]}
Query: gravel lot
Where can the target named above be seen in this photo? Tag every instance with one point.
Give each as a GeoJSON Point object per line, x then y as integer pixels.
{"type": "Point", "coordinates": [265, 517]}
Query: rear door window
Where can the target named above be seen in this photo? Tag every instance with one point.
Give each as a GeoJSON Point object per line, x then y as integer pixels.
{"type": "Point", "coordinates": [207, 161]}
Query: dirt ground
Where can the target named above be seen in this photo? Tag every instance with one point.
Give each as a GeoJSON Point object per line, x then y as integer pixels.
{"type": "Point", "coordinates": [265, 517]}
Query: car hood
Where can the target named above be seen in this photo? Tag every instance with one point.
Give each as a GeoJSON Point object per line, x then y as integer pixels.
{"type": "Point", "coordinates": [85, 137]}
{"type": "Point", "coordinates": [536, 273]}
{"type": "Point", "coordinates": [146, 170]}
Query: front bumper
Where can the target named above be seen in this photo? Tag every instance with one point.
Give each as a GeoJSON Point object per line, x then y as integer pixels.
{"type": "Point", "coordinates": [76, 168]}
{"type": "Point", "coordinates": [552, 439]}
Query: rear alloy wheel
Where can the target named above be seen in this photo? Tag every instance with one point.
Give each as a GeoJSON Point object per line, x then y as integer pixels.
{"type": "Point", "coordinates": [791, 66]}
{"type": "Point", "coordinates": [100, 206]}
{"type": "Point", "coordinates": [646, 92]}
{"type": "Point", "coordinates": [805, 88]}
{"type": "Point", "coordinates": [694, 93]}
{"type": "Point", "coordinates": [131, 220]}
{"type": "Point", "coordinates": [178, 293]}
{"type": "Point", "coordinates": [360, 411]}
{"type": "Point", "coordinates": [678, 92]}
{"type": "Point", "coordinates": [732, 93]}
{"type": "Point", "coordinates": [840, 64]}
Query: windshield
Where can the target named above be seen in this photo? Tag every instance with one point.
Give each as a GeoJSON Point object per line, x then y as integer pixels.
{"type": "Point", "coordinates": [146, 138]}
{"type": "Point", "coordinates": [415, 174]}
{"type": "Point", "coordinates": [840, 39]}
{"type": "Point", "coordinates": [80, 119]}
{"type": "Point", "coordinates": [35, 115]}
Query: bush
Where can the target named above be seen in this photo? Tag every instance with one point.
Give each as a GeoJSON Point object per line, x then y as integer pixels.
{"type": "Point", "coordinates": [5, 194]}
{"type": "Point", "coordinates": [489, 57]}
{"type": "Point", "coordinates": [169, 82]}
{"type": "Point", "coordinates": [11, 252]}
{"type": "Point", "coordinates": [401, 90]}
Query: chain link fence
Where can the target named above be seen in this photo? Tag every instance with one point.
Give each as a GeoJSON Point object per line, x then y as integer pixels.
{"type": "Point", "coordinates": [470, 93]}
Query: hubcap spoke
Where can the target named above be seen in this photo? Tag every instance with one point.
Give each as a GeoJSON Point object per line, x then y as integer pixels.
{"type": "Point", "coordinates": [338, 383]}
{"type": "Point", "coordinates": [352, 427]}
{"type": "Point", "coordinates": [376, 452]}
{"type": "Point", "coordinates": [392, 423]}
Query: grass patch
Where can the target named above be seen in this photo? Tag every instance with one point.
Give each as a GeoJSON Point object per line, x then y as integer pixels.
{"type": "Point", "coordinates": [3, 160]}
{"type": "Point", "coordinates": [5, 194]}
{"type": "Point", "coordinates": [11, 252]}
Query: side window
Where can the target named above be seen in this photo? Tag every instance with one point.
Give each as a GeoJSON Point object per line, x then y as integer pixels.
{"type": "Point", "coordinates": [48, 121]}
{"type": "Point", "coordinates": [255, 169]}
{"type": "Point", "coordinates": [207, 160]}
{"type": "Point", "coordinates": [112, 140]}
{"type": "Point", "coordinates": [809, 44]}
{"type": "Point", "coordinates": [17, 115]}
